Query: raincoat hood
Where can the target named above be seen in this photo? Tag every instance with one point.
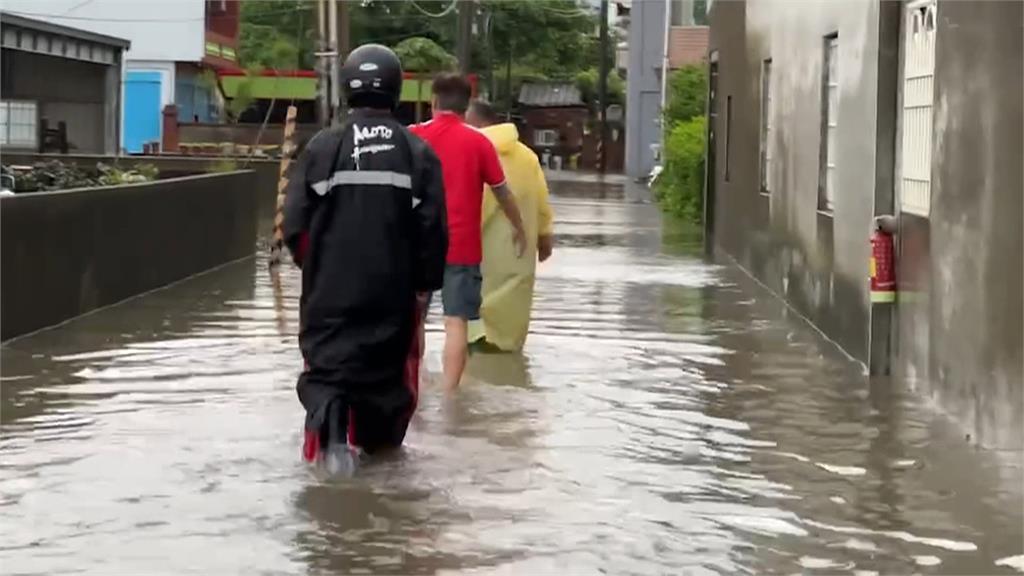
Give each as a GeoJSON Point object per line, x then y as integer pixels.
{"type": "Point", "coordinates": [504, 136]}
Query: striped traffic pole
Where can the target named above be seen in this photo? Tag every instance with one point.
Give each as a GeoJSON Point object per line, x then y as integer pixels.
{"type": "Point", "coordinates": [287, 151]}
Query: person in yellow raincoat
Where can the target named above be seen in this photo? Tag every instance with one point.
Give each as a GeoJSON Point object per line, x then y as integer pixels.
{"type": "Point", "coordinates": [507, 280]}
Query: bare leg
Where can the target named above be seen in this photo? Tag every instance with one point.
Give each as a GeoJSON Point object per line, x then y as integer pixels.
{"type": "Point", "coordinates": [455, 351]}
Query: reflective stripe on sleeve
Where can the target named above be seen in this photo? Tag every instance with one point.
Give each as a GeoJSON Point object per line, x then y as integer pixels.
{"type": "Point", "coordinates": [363, 177]}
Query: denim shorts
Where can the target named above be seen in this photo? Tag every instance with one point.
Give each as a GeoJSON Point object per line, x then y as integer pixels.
{"type": "Point", "coordinates": [460, 296]}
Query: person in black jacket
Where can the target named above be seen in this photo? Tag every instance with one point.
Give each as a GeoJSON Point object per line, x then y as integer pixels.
{"type": "Point", "coordinates": [364, 218]}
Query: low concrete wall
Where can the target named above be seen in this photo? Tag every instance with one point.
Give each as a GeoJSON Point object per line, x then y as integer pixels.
{"type": "Point", "coordinates": [65, 253]}
{"type": "Point", "coordinates": [265, 182]}
{"type": "Point", "coordinates": [241, 133]}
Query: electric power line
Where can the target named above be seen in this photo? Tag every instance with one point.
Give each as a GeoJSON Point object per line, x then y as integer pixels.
{"type": "Point", "coordinates": [440, 14]}
{"type": "Point", "coordinates": [93, 19]}
{"type": "Point", "coordinates": [578, 11]}
{"type": "Point", "coordinates": [77, 6]}
{"type": "Point", "coordinates": [292, 10]}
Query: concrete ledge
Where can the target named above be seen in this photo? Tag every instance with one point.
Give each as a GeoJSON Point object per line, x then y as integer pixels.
{"type": "Point", "coordinates": [65, 253]}
{"type": "Point", "coordinates": [173, 166]}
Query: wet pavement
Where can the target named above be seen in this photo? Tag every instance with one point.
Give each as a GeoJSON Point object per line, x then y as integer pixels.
{"type": "Point", "coordinates": [668, 416]}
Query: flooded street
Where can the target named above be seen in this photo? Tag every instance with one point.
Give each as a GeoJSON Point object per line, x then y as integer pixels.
{"type": "Point", "coordinates": [667, 416]}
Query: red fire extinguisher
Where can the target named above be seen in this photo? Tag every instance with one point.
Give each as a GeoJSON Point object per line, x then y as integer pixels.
{"type": "Point", "coordinates": [883, 267]}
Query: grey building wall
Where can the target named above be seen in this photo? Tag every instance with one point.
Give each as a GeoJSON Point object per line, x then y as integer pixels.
{"type": "Point", "coordinates": [957, 330]}
{"type": "Point", "coordinates": [817, 261]}
{"type": "Point", "coordinates": [643, 84]}
{"type": "Point", "coordinates": [961, 322]}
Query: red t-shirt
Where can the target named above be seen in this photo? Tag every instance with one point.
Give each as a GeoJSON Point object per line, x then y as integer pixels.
{"type": "Point", "coordinates": [468, 161]}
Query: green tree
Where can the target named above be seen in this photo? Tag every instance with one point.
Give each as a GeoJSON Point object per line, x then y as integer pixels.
{"type": "Point", "coordinates": [586, 81]}
{"type": "Point", "coordinates": [277, 34]}
{"type": "Point", "coordinates": [687, 93]}
{"type": "Point", "coordinates": [420, 54]}
{"type": "Point", "coordinates": [700, 12]}
{"type": "Point", "coordinates": [680, 187]}
{"type": "Point", "coordinates": [556, 38]}
{"type": "Point", "coordinates": [544, 38]}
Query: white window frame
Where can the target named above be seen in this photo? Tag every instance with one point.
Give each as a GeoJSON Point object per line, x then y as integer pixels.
{"type": "Point", "coordinates": [766, 125]}
{"type": "Point", "coordinates": [828, 182]}
{"type": "Point", "coordinates": [545, 137]}
{"type": "Point", "coordinates": [24, 106]}
{"type": "Point", "coordinates": [916, 111]}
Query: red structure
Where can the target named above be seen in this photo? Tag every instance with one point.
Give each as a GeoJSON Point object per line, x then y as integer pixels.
{"type": "Point", "coordinates": [222, 27]}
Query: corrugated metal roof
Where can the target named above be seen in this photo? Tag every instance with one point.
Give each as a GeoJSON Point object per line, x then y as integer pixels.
{"type": "Point", "coordinates": [14, 19]}
{"type": "Point", "coordinates": [550, 94]}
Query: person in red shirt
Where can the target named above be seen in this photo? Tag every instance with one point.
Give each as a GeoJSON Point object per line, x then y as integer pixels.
{"type": "Point", "coordinates": [468, 162]}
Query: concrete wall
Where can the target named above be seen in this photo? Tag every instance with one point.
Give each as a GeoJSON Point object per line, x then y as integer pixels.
{"type": "Point", "coordinates": [63, 254]}
{"type": "Point", "coordinates": [956, 331]}
{"type": "Point", "coordinates": [643, 84]}
{"type": "Point", "coordinates": [272, 134]}
{"type": "Point", "coordinates": [163, 30]}
{"type": "Point", "coordinates": [817, 261]}
{"type": "Point", "coordinates": [960, 269]}
{"type": "Point", "coordinates": [264, 185]}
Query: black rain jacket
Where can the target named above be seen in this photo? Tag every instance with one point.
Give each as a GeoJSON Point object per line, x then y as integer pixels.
{"type": "Point", "coordinates": [365, 218]}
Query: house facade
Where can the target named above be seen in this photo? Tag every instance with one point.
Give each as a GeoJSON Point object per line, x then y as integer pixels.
{"type": "Point", "coordinates": [168, 56]}
{"type": "Point", "coordinates": [554, 121]}
{"type": "Point", "coordinates": [823, 116]}
{"type": "Point", "coordinates": [37, 110]}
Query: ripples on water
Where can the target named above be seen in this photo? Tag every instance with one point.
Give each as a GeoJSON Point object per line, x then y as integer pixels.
{"type": "Point", "coordinates": [666, 417]}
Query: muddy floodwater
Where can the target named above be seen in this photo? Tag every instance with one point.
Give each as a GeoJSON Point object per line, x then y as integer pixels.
{"type": "Point", "coordinates": [668, 416]}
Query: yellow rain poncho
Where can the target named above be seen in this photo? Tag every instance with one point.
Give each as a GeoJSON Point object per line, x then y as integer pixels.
{"type": "Point", "coordinates": [507, 280]}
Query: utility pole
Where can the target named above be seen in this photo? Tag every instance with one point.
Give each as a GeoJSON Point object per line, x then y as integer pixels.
{"type": "Point", "coordinates": [602, 88]}
{"type": "Point", "coordinates": [332, 27]}
{"type": "Point", "coordinates": [492, 80]}
{"type": "Point", "coordinates": [344, 46]}
{"type": "Point", "coordinates": [664, 79]}
{"type": "Point", "coordinates": [464, 38]}
{"type": "Point", "coordinates": [508, 80]}
{"type": "Point", "coordinates": [322, 78]}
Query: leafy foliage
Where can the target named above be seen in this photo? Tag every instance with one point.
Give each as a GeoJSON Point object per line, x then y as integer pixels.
{"type": "Point", "coordinates": [680, 187]}
{"type": "Point", "coordinates": [244, 98]}
{"type": "Point", "coordinates": [700, 12]}
{"type": "Point", "coordinates": [421, 54]}
{"type": "Point", "coordinates": [687, 92]}
{"type": "Point", "coordinates": [586, 81]}
{"type": "Point", "coordinates": [553, 38]}
{"type": "Point", "coordinates": [56, 175]}
{"type": "Point", "coordinates": [278, 34]}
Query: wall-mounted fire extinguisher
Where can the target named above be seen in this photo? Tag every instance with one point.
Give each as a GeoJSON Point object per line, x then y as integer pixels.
{"type": "Point", "coordinates": [883, 261]}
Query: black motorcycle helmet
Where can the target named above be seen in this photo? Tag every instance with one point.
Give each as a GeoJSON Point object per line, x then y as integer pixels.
{"type": "Point", "coordinates": [372, 77]}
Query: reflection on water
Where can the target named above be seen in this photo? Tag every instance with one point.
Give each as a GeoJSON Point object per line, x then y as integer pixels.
{"type": "Point", "coordinates": [667, 416]}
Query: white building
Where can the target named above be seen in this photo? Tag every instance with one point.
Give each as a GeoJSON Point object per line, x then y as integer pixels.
{"type": "Point", "coordinates": [163, 35]}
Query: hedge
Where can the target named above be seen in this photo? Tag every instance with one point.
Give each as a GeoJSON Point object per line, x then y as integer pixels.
{"type": "Point", "coordinates": [680, 187]}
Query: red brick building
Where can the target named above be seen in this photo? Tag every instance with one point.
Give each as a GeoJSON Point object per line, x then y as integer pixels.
{"type": "Point", "coordinates": [222, 27]}
{"type": "Point", "coordinates": [554, 119]}
{"type": "Point", "coordinates": [687, 45]}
